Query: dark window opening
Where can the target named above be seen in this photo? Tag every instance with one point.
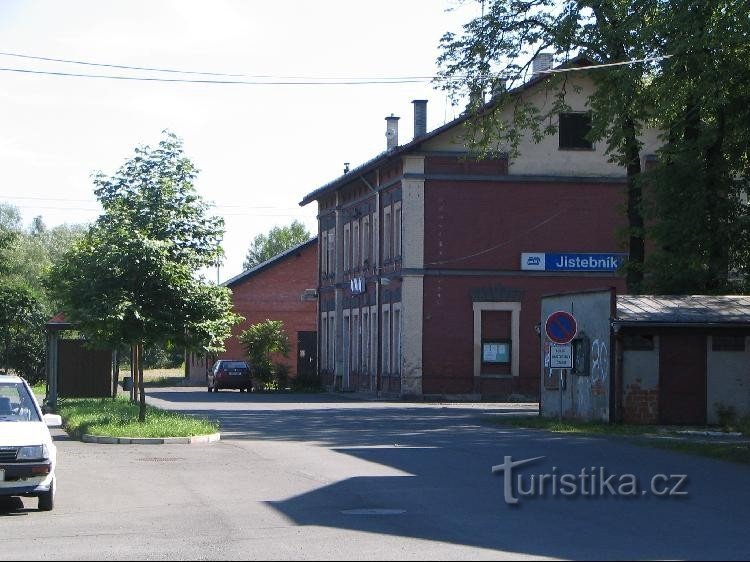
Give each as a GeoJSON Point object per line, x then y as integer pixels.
{"type": "Point", "coordinates": [574, 128]}
{"type": "Point", "coordinates": [637, 342]}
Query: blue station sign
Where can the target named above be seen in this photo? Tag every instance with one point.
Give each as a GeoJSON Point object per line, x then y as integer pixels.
{"type": "Point", "coordinates": [571, 261]}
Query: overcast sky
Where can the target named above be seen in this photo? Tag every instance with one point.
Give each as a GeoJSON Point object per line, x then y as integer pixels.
{"type": "Point", "coordinates": [260, 148]}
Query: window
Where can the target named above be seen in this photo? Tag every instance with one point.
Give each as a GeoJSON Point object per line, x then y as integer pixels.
{"type": "Point", "coordinates": [366, 241]}
{"type": "Point", "coordinates": [397, 230]}
{"type": "Point", "coordinates": [324, 341]}
{"type": "Point", "coordinates": [355, 245]}
{"type": "Point", "coordinates": [374, 339]}
{"type": "Point", "coordinates": [347, 246]}
{"type": "Point", "coordinates": [637, 342]}
{"type": "Point", "coordinates": [396, 338]}
{"type": "Point", "coordinates": [331, 251]}
{"type": "Point", "coordinates": [574, 127]}
{"type": "Point", "coordinates": [356, 337]}
{"type": "Point", "coordinates": [387, 231]}
{"type": "Point", "coordinates": [374, 237]}
{"type": "Point", "coordinates": [365, 340]}
{"type": "Point", "coordinates": [346, 345]}
{"type": "Point", "coordinates": [324, 253]}
{"type": "Point", "coordinates": [332, 341]}
{"type": "Point", "coordinates": [386, 341]}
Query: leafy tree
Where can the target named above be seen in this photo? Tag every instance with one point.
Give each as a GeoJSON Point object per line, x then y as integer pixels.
{"type": "Point", "coordinates": [278, 240]}
{"type": "Point", "coordinates": [21, 332]}
{"type": "Point", "coordinates": [261, 341]}
{"type": "Point", "coordinates": [132, 277]}
{"type": "Point", "coordinates": [697, 193]}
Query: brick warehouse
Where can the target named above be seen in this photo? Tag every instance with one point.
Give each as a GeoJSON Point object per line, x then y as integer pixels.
{"type": "Point", "coordinates": [277, 289]}
{"type": "Point", "coordinates": [433, 264]}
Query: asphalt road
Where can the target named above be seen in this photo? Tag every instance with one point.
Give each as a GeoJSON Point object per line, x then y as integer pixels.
{"type": "Point", "coordinates": [322, 477]}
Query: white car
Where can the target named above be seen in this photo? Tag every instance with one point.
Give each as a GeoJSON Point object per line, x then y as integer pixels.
{"type": "Point", "coordinates": [27, 453]}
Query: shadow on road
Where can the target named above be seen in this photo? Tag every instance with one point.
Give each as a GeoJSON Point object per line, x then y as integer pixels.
{"type": "Point", "coordinates": [448, 492]}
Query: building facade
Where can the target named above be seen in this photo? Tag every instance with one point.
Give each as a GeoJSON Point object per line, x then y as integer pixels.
{"type": "Point", "coordinates": [650, 359]}
{"type": "Point", "coordinates": [281, 288]}
{"type": "Point", "coordinates": [432, 264]}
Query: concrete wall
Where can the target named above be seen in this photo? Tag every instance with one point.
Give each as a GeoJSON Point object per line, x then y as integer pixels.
{"type": "Point", "coordinates": [728, 381]}
{"type": "Point", "coordinates": [585, 395]}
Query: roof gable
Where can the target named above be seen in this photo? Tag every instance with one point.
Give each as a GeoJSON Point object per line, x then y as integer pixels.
{"type": "Point", "coordinates": [269, 263]}
{"type": "Point", "coordinates": [414, 144]}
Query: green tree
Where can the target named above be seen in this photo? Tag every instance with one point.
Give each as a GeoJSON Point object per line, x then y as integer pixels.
{"type": "Point", "coordinates": [21, 332]}
{"type": "Point", "coordinates": [132, 277]}
{"type": "Point", "coordinates": [260, 342]}
{"type": "Point", "coordinates": [280, 238]}
{"type": "Point", "coordinates": [697, 193]}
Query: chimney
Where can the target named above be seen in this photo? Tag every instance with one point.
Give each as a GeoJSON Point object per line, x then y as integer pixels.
{"type": "Point", "coordinates": [391, 131]}
{"type": "Point", "coordinates": [499, 87]}
{"type": "Point", "coordinates": [420, 117]}
{"type": "Point", "coordinates": [541, 62]}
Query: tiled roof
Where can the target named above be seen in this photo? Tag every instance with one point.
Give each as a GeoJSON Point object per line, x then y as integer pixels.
{"type": "Point", "coordinates": [268, 263]}
{"type": "Point", "coordinates": [373, 163]}
{"type": "Point", "coordinates": [683, 309]}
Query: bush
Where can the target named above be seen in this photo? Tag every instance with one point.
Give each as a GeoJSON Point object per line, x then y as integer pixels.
{"type": "Point", "coordinates": [727, 417]}
{"type": "Point", "coordinates": [307, 383]}
{"type": "Point", "coordinates": [281, 376]}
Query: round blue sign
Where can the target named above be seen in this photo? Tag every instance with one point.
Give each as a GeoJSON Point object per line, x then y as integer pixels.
{"type": "Point", "coordinates": [561, 327]}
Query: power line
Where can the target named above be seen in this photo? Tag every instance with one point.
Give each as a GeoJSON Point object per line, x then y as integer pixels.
{"type": "Point", "coordinates": [176, 71]}
{"type": "Point", "coordinates": [271, 80]}
{"type": "Point", "coordinates": [280, 82]}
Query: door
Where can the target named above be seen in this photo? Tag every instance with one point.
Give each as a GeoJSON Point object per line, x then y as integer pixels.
{"type": "Point", "coordinates": [83, 372]}
{"type": "Point", "coordinates": [682, 378]}
{"type": "Point", "coordinates": [307, 353]}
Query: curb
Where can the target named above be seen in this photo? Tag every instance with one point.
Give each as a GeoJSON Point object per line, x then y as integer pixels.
{"type": "Point", "coordinates": [87, 438]}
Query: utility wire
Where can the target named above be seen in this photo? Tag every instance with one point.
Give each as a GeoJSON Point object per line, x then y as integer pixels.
{"type": "Point", "coordinates": [352, 82]}
{"type": "Point", "coordinates": [172, 70]}
{"type": "Point", "coordinates": [260, 80]}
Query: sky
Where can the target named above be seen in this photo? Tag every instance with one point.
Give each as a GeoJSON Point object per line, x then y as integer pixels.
{"type": "Point", "coordinates": [260, 148]}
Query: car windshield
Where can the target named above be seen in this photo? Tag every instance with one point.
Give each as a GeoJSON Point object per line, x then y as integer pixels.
{"type": "Point", "coordinates": [16, 404]}
{"type": "Point", "coordinates": [233, 365]}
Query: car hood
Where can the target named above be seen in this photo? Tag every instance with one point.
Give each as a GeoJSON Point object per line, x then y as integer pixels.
{"type": "Point", "coordinates": [18, 434]}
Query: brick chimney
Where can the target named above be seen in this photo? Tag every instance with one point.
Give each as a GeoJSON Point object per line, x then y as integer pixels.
{"type": "Point", "coordinates": [420, 117]}
{"type": "Point", "coordinates": [391, 131]}
{"type": "Point", "coordinates": [541, 62]}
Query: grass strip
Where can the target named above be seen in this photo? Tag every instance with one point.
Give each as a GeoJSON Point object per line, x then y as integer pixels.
{"type": "Point", "coordinates": [119, 418]}
{"type": "Point", "coordinates": [649, 435]}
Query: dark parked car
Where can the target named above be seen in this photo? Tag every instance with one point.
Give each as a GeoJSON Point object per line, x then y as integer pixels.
{"type": "Point", "coordinates": [230, 373]}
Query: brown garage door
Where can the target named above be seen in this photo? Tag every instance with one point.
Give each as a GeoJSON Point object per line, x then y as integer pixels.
{"type": "Point", "coordinates": [682, 378]}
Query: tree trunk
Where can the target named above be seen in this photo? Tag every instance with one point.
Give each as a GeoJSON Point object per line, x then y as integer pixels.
{"type": "Point", "coordinates": [115, 372]}
{"type": "Point", "coordinates": [132, 372]}
{"type": "Point", "coordinates": [636, 244]}
{"type": "Point", "coordinates": [142, 409]}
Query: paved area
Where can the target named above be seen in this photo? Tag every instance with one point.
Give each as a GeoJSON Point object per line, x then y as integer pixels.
{"type": "Point", "coordinates": [320, 477]}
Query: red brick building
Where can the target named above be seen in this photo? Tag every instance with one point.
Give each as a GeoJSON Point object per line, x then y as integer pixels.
{"type": "Point", "coordinates": [278, 289]}
{"type": "Point", "coordinates": [433, 264]}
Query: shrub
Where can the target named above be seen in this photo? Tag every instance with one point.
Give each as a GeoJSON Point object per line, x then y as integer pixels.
{"type": "Point", "coordinates": [727, 417]}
